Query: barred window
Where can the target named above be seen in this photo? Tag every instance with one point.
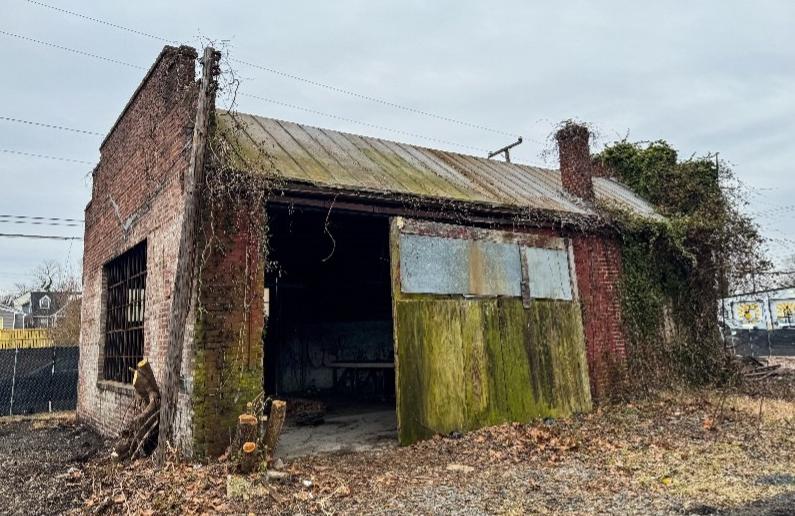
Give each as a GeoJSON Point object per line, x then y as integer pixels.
{"type": "Point", "coordinates": [124, 324]}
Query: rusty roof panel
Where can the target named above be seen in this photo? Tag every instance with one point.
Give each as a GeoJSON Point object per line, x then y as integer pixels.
{"type": "Point", "coordinates": [611, 191]}
{"type": "Point", "coordinates": [335, 159]}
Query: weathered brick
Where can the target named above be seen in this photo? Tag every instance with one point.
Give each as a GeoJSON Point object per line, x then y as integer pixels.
{"type": "Point", "coordinates": [598, 264]}
{"type": "Point", "coordinates": [136, 184]}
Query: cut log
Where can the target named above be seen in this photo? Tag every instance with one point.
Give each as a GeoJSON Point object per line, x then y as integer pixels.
{"type": "Point", "coordinates": [144, 379]}
{"type": "Point", "coordinates": [139, 436]}
{"type": "Point", "coordinates": [248, 458]}
{"type": "Point", "coordinates": [247, 428]}
{"type": "Point", "coordinates": [275, 422]}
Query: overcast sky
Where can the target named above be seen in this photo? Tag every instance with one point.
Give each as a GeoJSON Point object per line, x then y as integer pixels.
{"type": "Point", "coordinates": [708, 76]}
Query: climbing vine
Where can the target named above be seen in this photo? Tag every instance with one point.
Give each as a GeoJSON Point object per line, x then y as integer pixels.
{"type": "Point", "coordinates": [677, 267]}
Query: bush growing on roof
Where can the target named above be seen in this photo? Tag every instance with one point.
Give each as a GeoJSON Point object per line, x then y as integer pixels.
{"type": "Point", "coordinates": [676, 269]}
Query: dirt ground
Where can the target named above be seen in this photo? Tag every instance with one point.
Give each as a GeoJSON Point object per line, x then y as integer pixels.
{"type": "Point", "coordinates": [40, 463]}
{"type": "Point", "coordinates": [705, 452]}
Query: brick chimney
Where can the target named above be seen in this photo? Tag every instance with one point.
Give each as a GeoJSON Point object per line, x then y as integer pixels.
{"type": "Point", "coordinates": [575, 160]}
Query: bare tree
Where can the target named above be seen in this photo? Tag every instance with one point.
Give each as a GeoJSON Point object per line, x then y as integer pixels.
{"type": "Point", "coordinates": [66, 327]}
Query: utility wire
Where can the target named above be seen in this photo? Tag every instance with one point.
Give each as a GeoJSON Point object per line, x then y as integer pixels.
{"type": "Point", "coordinates": [373, 99]}
{"type": "Point", "coordinates": [774, 211]}
{"type": "Point", "coordinates": [36, 217]}
{"type": "Point", "coordinates": [274, 71]}
{"type": "Point", "coordinates": [366, 124]}
{"type": "Point", "coordinates": [39, 223]}
{"type": "Point", "coordinates": [770, 273]}
{"type": "Point", "coordinates": [44, 156]}
{"type": "Point", "coordinates": [39, 237]}
{"type": "Point", "coordinates": [293, 106]}
{"type": "Point", "coordinates": [49, 126]}
{"type": "Point", "coordinates": [72, 50]}
{"type": "Point", "coordinates": [102, 22]}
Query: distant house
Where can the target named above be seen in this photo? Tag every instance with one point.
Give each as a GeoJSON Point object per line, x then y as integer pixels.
{"type": "Point", "coordinates": [11, 318]}
{"type": "Point", "coordinates": [42, 309]}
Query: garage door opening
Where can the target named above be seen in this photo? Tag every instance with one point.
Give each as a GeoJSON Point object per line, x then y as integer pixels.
{"type": "Point", "coordinates": [328, 340]}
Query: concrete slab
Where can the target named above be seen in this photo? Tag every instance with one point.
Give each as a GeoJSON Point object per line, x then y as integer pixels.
{"type": "Point", "coordinates": [350, 432]}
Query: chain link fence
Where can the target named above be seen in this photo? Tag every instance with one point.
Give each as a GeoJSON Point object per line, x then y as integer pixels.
{"type": "Point", "coordinates": [34, 380]}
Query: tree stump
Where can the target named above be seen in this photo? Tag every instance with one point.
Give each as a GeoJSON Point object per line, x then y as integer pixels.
{"type": "Point", "coordinates": [249, 457]}
{"type": "Point", "coordinates": [275, 422]}
{"type": "Point", "coordinates": [247, 428]}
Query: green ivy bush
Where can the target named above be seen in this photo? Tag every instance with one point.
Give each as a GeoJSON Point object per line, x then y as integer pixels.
{"type": "Point", "coordinates": [676, 269]}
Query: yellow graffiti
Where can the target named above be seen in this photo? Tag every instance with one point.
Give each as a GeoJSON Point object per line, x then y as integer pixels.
{"type": "Point", "coordinates": [785, 310]}
{"type": "Point", "coordinates": [749, 313]}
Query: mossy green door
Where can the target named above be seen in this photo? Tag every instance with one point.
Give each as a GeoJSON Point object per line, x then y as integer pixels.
{"type": "Point", "coordinates": [473, 346]}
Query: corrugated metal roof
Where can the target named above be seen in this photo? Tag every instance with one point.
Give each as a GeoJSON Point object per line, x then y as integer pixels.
{"type": "Point", "coordinates": [611, 191]}
{"type": "Point", "coordinates": [334, 159]}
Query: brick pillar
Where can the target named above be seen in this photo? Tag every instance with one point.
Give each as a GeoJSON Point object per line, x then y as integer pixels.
{"type": "Point", "coordinates": [227, 371]}
{"type": "Point", "coordinates": [575, 160]}
{"type": "Point", "coordinates": [598, 264]}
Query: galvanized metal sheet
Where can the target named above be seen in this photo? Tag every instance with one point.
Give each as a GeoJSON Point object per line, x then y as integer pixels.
{"type": "Point", "coordinates": [336, 159]}
{"type": "Point", "coordinates": [548, 273]}
{"type": "Point", "coordinates": [611, 191]}
{"type": "Point", "coordinates": [494, 269]}
{"type": "Point", "coordinates": [442, 265]}
{"type": "Point", "coordinates": [433, 265]}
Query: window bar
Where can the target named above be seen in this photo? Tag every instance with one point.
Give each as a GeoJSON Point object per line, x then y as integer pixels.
{"type": "Point", "coordinates": [126, 296]}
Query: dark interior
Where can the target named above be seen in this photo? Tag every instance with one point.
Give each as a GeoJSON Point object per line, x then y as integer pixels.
{"type": "Point", "coordinates": [329, 325]}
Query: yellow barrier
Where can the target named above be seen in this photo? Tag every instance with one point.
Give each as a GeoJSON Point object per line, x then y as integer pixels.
{"type": "Point", "coordinates": [25, 339]}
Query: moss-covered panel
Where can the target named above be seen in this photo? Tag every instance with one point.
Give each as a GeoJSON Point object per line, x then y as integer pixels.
{"type": "Point", "coordinates": [476, 384]}
{"type": "Point", "coordinates": [431, 369]}
{"type": "Point", "coordinates": [466, 363]}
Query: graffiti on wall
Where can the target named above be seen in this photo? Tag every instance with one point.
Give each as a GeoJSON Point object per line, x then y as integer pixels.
{"type": "Point", "coordinates": [785, 312]}
{"type": "Point", "coordinates": [749, 313]}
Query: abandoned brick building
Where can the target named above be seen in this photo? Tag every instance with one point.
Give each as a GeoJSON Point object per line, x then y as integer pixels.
{"type": "Point", "coordinates": [457, 290]}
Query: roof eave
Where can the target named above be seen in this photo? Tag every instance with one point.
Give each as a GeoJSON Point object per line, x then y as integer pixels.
{"type": "Point", "coordinates": [394, 204]}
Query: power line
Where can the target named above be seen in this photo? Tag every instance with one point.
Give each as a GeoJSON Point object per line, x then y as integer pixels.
{"type": "Point", "coordinates": [39, 237]}
{"type": "Point", "coordinates": [312, 82]}
{"type": "Point", "coordinates": [103, 22]}
{"type": "Point", "coordinates": [39, 223]}
{"type": "Point", "coordinates": [44, 156]}
{"type": "Point", "coordinates": [72, 50]}
{"type": "Point", "coordinates": [36, 217]}
{"type": "Point", "coordinates": [293, 106]}
{"type": "Point", "coordinates": [49, 126]}
{"type": "Point", "coordinates": [772, 211]}
{"type": "Point", "coordinates": [366, 124]}
{"type": "Point", "coordinates": [372, 99]}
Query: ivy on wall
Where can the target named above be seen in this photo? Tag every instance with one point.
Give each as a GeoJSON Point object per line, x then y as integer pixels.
{"type": "Point", "coordinates": [676, 269]}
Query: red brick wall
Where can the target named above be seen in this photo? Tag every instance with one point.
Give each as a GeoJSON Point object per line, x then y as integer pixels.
{"type": "Point", "coordinates": [227, 368]}
{"type": "Point", "coordinates": [598, 268]}
{"type": "Point", "coordinates": [137, 194]}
